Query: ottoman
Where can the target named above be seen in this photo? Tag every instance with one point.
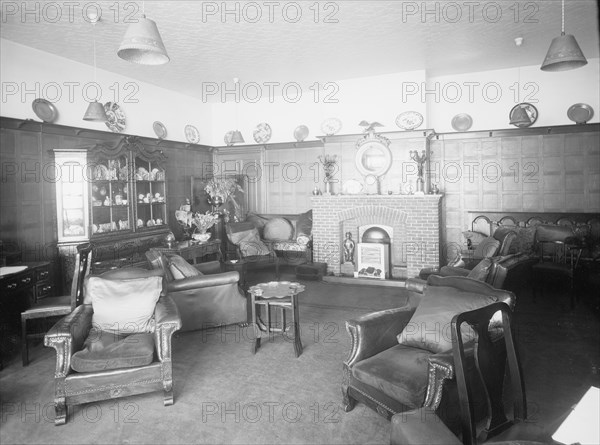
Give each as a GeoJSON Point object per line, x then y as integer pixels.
{"type": "Point", "coordinates": [311, 271]}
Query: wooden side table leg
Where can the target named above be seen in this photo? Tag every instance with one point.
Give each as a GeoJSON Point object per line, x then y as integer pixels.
{"type": "Point", "coordinates": [256, 342]}
{"type": "Point", "coordinates": [296, 321]}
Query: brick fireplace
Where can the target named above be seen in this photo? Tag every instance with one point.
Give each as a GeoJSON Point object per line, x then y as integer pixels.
{"type": "Point", "coordinates": [414, 221]}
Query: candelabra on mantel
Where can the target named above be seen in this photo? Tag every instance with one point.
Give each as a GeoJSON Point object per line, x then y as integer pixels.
{"type": "Point", "coordinates": [420, 160]}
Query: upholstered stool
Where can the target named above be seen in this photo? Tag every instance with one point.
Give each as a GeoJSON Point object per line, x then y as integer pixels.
{"type": "Point", "coordinates": [311, 271]}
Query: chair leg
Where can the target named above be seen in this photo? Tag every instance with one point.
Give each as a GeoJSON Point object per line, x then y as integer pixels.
{"type": "Point", "coordinates": [347, 402]}
{"type": "Point", "coordinates": [60, 408]}
{"type": "Point", "coordinates": [24, 346]}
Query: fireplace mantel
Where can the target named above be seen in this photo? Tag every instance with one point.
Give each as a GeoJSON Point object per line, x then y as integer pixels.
{"type": "Point", "coordinates": [414, 218]}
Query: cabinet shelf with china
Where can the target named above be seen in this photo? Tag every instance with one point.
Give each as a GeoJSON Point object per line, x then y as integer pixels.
{"type": "Point", "coordinates": [117, 199]}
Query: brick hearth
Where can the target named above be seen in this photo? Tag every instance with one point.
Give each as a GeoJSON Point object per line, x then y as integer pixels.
{"type": "Point", "coordinates": [415, 221]}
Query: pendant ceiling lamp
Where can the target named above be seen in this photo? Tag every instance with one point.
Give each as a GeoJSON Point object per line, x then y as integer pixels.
{"type": "Point", "coordinates": [95, 111]}
{"type": "Point", "coordinates": [236, 137]}
{"type": "Point", "coordinates": [143, 44]}
{"type": "Point", "coordinates": [564, 52]}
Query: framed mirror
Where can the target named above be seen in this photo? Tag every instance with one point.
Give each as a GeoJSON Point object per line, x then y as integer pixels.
{"type": "Point", "coordinates": [373, 157]}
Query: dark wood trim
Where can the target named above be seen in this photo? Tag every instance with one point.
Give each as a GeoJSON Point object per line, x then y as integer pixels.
{"type": "Point", "coordinates": [516, 132]}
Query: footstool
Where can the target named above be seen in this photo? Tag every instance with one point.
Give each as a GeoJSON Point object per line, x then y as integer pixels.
{"type": "Point", "coordinates": [311, 271]}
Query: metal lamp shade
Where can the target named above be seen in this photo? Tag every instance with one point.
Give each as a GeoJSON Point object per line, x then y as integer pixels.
{"type": "Point", "coordinates": [520, 118]}
{"type": "Point", "coordinates": [142, 44]}
{"type": "Point", "coordinates": [237, 138]}
{"type": "Point", "coordinates": [95, 113]}
{"type": "Point", "coordinates": [564, 54]}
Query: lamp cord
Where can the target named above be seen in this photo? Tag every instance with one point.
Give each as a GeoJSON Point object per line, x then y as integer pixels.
{"type": "Point", "coordinates": [563, 18]}
{"type": "Point", "coordinates": [94, 40]}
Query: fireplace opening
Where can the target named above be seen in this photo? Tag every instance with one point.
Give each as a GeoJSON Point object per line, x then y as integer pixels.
{"type": "Point", "coordinates": [374, 254]}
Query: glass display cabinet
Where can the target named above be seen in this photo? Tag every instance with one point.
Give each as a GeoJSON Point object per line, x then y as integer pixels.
{"type": "Point", "coordinates": [113, 196]}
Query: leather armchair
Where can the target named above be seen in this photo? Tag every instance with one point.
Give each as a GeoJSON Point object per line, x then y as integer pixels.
{"type": "Point", "coordinates": [504, 235]}
{"type": "Point", "coordinates": [205, 301]}
{"type": "Point", "coordinates": [68, 335]}
{"type": "Point", "coordinates": [425, 378]}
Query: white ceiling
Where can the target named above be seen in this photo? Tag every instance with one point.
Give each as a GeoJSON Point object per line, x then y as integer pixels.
{"type": "Point", "coordinates": [369, 38]}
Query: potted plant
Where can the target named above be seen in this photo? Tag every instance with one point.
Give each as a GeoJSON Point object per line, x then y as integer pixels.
{"type": "Point", "coordinates": [220, 191]}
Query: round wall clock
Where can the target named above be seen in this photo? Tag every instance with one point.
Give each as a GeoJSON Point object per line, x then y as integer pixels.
{"type": "Point", "coordinates": [523, 115]}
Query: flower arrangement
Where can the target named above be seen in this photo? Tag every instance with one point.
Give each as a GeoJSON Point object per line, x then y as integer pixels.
{"type": "Point", "coordinates": [191, 222]}
{"type": "Point", "coordinates": [222, 188]}
{"type": "Point", "coordinates": [329, 163]}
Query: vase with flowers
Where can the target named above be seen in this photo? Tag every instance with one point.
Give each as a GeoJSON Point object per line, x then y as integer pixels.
{"type": "Point", "coordinates": [222, 190]}
{"type": "Point", "coordinates": [196, 225]}
{"type": "Point", "coordinates": [329, 164]}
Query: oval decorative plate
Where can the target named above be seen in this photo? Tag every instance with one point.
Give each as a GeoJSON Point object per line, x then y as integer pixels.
{"type": "Point", "coordinates": [580, 113]}
{"type": "Point", "coordinates": [530, 110]}
{"type": "Point", "coordinates": [262, 133]}
{"type": "Point", "coordinates": [301, 133]}
{"type": "Point", "coordinates": [116, 117]}
{"type": "Point", "coordinates": [462, 122]}
{"type": "Point", "coordinates": [352, 187]}
{"type": "Point", "coordinates": [409, 120]}
{"type": "Point", "coordinates": [45, 110]}
{"type": "Point", "coordinates": [331, 126]}
{"type": "Point", "coordinates": [159, 130]}
{"type": "Point", "coordinates": [192, 134]}
{"type": "Point", "coordinates": [228, 138]}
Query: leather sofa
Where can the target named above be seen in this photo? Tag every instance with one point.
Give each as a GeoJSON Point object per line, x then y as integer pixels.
{"type": "Point", "coordinates": [295, 249]}
{"type": "Point", "coordinates": [205, 301]}
{"type": "Point", "coordinates": [391, 377]}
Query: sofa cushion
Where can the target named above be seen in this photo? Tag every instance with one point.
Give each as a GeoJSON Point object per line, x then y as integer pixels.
{"type": "Point", "coordinates": [304, 227]}
{"type": "Point", "coordinates": [124, 306]}
{"type": "Point", "coordinates": [481, 271]}
{"type": "Point", "coordinates": [486, 248]}
{"type": "Point", "coordinates": [238, 232]}
{"type": "Point", "coordinates": [252, 245]}
{"type": "Point", "coordinates": [258, 221]}
{"type": "Point", "coordinates": [474, 237]}
{"type": "Point", "coordinates": [430, 326]}
{"type": "Point", "coordinates": [400, 372]}
{"type": "Point", "coordinates": [278, 229]}
{"type": "Point", "coordinates": [180, 268]}
{"type": "Point", "coordinates": [107, 350]}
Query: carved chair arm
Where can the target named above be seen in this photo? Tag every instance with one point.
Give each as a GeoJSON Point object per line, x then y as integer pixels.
{"type": "Point", "coordinates": [168, 321]}
{"type": "Point", "coordinates": [375, 332]}
{"type": "Point", "coordinates": [67, 337]}
{"type": "Point", "coordinates": [203, 281]}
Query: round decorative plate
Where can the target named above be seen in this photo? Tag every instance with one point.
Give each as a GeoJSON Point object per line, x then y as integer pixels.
{"type": "Point", "coordinates": [331, 126]}
{"type": "Point", "coordinates": [530, 110]}
{"type": "Point", "coordinates": [262, 133]}
{"type": "Point", "coordinates": [45, 110]}
{"type": "Point", "coordinates": [301, 133]}
{"type": "Point", "coordinates": [462, 122]}
{"type": "Point", "coordinates": [409, 120]}
{"type": "Point", "coordinates": [580, 113]}
{"type": "Point", "coordinates": [116, 117]}
{"type": "Point", "coordinates": [352, 187]}
{"type": "Point", "coordinates": [228, 138]}
{"type": "Point", "coordinates": [192, 134]}
{"type": "Point", "coordinates": [159, 129]}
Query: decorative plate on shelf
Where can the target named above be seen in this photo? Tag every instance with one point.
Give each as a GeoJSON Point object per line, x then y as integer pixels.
{"type": "Point", "coordinates": [116, 117]}
{"type": "Point", "coordinates": [580, 113]}
{"type": "Point", "coordinates": [462, 122]}
{"type": "Point", "coordinates": [192, 134]}
{"type": "Point", "coordinates": [409, 120]}
{"type": "Point", "coordinates": [101, 173]}
{"type": "Point", "coordinates": [159, 129]}
{"type": "Point", "coordinates": [45, 110]}
{"type": "Point", "coordinates": [301, 133]}
{"type": "Point", "coordinates": [262, 133]}
{"type": "Point", "coordinates": [352, 187]}
{"type": "Point", "coordinates": [331, 126]}
{"type": "Point", "coordinates": [228, 138]}
{"type": "Point", "coordinates": [532, 114]}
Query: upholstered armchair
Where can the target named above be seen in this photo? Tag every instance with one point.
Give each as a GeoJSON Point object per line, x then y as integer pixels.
{"type": "Point", "coordinates": [205, 296]}
{"type": "Point", "coordinates": [96, 364]}
{"type": "Point", "coordinates": [498, 244]}
{"type": "Point", "coordinates": [392, 375]}
{"type": "Point", "coordinates": [250, 248]}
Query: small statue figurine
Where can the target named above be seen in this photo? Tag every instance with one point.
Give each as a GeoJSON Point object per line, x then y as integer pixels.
{"type": "Point", "coordinates": [349, 248]}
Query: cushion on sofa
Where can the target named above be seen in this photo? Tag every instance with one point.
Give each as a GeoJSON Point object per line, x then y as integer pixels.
{"type": "Point", "coordinates": [430, 326]}
{"type": "Point", "coordinates": [524, 240]}
{"type": "Point", "coordinates": [124, 306]}
{"type": "Point", "coordinates": [304, 227]}
{"type": "Point", "coordinates": [481, 271]}
{"type": "Point", "coordinates": [252, 245]}
{"type": "Point", "coordinates": [278, 229]}
{"type": "Point", "coordinates": [475, 237]}
{"type": "Point", "coordinates": [237, 232]}
{"type": "Point", "coordinates": [107, 350]}
{"type": "Point", "coordinates": [180, 268]}
{"type": "Point", "coordinates": [258, 221]}
{"type": "Point", "coordinates": [486, 248]}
